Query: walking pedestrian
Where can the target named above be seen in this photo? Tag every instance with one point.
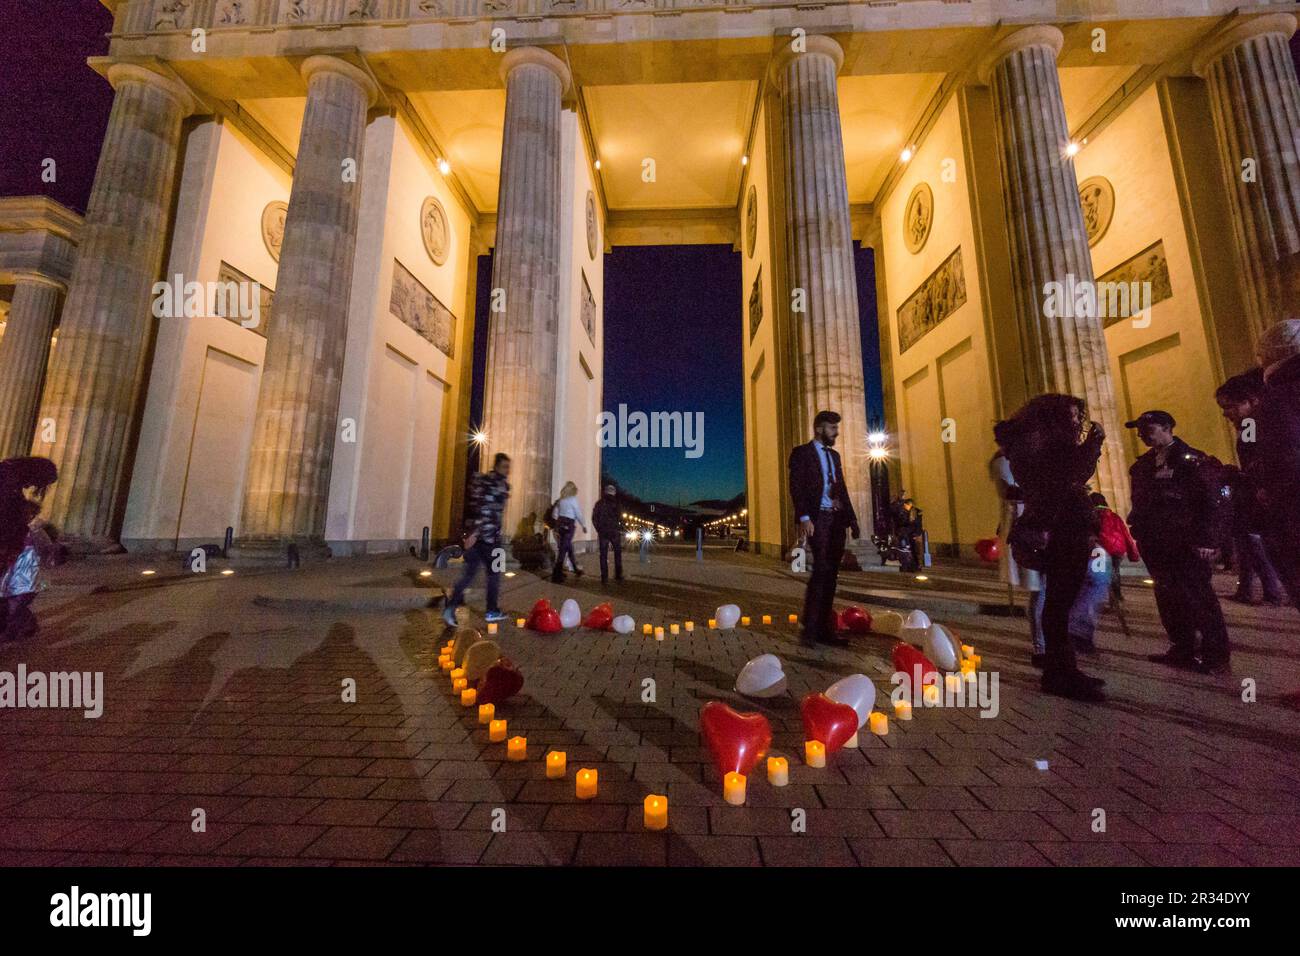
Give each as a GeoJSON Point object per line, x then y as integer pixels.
{"type": "Point", "coordinates": [1179, 508]}
{"type": "Point", "coordinates": [25, 544]}
{"type": "Point", "coordinates": [825, 513]}
{"type": "Point", "coordinates": [1010, 573]}
{"type": "Point", "coordinates": [607, 519]}
{"type": "Point", "coordinates": [1278, 352]}
{"type": "Point", "coordinates": [1053, 452]}
{"type": "Point", "coordinates": [566, 514]}
{"type": "Point", "coordinates": [1239, 399]}
{"type": "Point", "coordinates": [488, 493]}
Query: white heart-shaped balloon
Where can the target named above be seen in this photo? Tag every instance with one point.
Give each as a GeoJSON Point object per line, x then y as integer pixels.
{"type": "Point", "coordinates": [623, 624]}
{"type": "Point", "coordinates": [762, 677]}
{"type": "Point", "coordinates": [727, 616]}
{"type": "Point", "coordinates": [887, 622]}
{"type": "Point", "coordinates": [570, 614]}
{"type": "Point", "coordinates": [917, 619]}
{"type": "Point", "coordinates": [858, 692]}
{"type": "Point", "coordinates": [942, 650]}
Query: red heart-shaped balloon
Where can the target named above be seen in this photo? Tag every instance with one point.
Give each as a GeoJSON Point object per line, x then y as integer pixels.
{"type": "Point", "coordinates": [989, 549]}
{"type": "Point", "coordinates": [547, 621]}
{"type": "Point", "coordinates": [907, 659]}
{"type": "Point", "coordinates": [538, 608]}
{"type": "Point", "coordinates": [855, 620]}
{"type": "Point", "coordinates": [501, 682]}
{"type": "Point", "coordinates": [601, 617]}
{"type": "Point", "coordinates": [828, 721]}
{"type": "Point", "coordinates": [738, 741]}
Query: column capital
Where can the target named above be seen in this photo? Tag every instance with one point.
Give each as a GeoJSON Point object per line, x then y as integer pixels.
{"type": "Point", "coordinates": [1040, 34]}
{"type": "Point", "coordinates": [812, 45]}
{"type": "Point", "coordinates": [318, 65]}
{"type": "Point", "coordinates": [523, 55]}
{"type": "Point", "coordinates": [39, 278]}
{"type": "Point", "coordinates": [1238, 33]}
{"type": "Point", "coordinates": [120, 74]}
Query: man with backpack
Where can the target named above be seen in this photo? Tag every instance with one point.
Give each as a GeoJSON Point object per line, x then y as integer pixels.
{"type": "Point", "coordinates": [1180, 505]}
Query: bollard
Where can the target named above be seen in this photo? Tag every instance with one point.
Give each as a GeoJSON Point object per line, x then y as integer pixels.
{"type": "Point", "coordinates": [699, 544]}
{"type": "Point", "coordinates": [227, 544]}
{"type": "Point", "coordinates": [424, 544]}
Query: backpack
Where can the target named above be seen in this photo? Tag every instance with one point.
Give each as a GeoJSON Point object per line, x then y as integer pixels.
{"type": "Point", "coordinates": [1111, 536]}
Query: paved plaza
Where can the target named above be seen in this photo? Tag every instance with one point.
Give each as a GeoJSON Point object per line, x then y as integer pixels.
{"type": "Point", "coordinates": [223, 693]}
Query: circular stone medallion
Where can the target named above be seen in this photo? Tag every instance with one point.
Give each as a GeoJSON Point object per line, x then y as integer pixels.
{"type": "Point", "coordinates": [751, 221]}
{"type": "Point", "coordinates": [273, 227]}
{"type": "Point", "coordinates": [433, 229]}
{"type": "Point", "coordinates": [592, 237]}
{"type": "Point", "coordinates": [1097, 197]}
{"type": "Point", "coordinates": [918, 217]}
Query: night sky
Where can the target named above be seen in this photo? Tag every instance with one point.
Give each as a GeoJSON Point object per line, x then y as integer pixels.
{"type": "Point", "coordinates": [674, 315]}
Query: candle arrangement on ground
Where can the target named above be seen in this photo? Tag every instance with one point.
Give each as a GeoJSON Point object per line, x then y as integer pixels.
{"type": "Point", "coordinates": [737, 741]}
{"type": "Point", "coordinates": [827, 722]}
{"type": "Point", "coordinates": [764, 676]}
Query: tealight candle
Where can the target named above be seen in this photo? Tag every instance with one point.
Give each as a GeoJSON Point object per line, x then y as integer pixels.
{"type": "Point", "coordinates": [767, 619]}
{"type": "Point", "coordinates": [496, 731]}
{"type": "Point", "coordinates": [879, 723]}
{"type": "Point", "coordinates": [656, 812]}
{"type": "Point", "coordinates": [458, 685]}
{"type": "Point", "coordinates": [967, 665]}
{"type": "Point", "coordinates": [814, 753]}
{"type": "Point", "coordinates": [674, 629]}
{"type": "Point", "coordinates": [468, 697]}
{"type": "Point", "coordinates": [952, 683]}
{"type": "Point", "coordinates": [794, 619]}
{"type": "Point", "coordinates": [659, 633]}
{"type": "Point", "coordinates": [970, 676]}
{"type": "Point", "coordinates": [744, 621]}
{"type": "Point", "coordinates": [647, 629]}
{"type": "Point", "coordinates": [902, 710]}
{"type": "Point", "coordinates": [975, 660]}
{"type": "Point", "coordinates": [585, 783]}
{"type": "Point", "coordinates": [713, 624]}
{"type": "Point", "coordinates": [778, 771]}
{"type": "Point", "coordinates": [457, 673]}
{"type": "Point", "coordinates": [520, 622]}
{"type": "Point", "coordinates": [733, 788]}
{"type": "Point", "coordinates": [492, 627]}
{"type": "Point", "coordinates": [486, 712]}
{"type": "Point", "coordinates": [930, 694]}
{"type": "Point", "coordinates": [967, 650]}
{"type": "Point", "coordinates": [445, 663]}
{"type": "Point", "coordinates": [690, 627]}
{"type": "Point", "coordinates": [852, 742]}
{"type": "Point", "coordinates": [516, 748]}
{"type": "Point", "coordinates": [557, 762]}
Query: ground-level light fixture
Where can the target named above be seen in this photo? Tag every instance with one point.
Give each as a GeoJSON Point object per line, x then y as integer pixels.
{"type": "Point", "coordinates": [227, 572]}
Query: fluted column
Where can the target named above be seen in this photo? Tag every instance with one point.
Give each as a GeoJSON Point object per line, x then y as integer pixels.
{"type": "Point", "coordinates": [519, 415]}
{"type": "Point", "coordinates": [820, 254]}
{"type": "Point", "coordinates": [1049, 243]}
{"type": "Point", "coordinates": [1256, 103]}
{"type": "Point", "coordinates": [24, 354]}
{"type": "Point", "coordinates": [287, 489]}
{"type": "Point", "coordinates": [93, 384]}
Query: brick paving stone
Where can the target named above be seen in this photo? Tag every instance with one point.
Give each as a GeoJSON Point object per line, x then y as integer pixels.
{"type": "Point", "coordinates": [985, 852]}
{"type": "Point", "coordinates": [806, 850]}
{"type": "Point", "coordinates": [457, 847]}
{"type": "Point", "coordinates": [356, 843]}
{"type": "Point", "coordinates": [622, 849]}
{"type": "Point", "coordinates": [895, 853]}
{"type": "Point", "coordinates": [1089, 854]}
{"type": "Point", "coordinates": [281, 840]}
{"type": "Point", "coordinates": [1186, 854]}
{"type": "Point", "coordinates": [921, 823]}
{"type": "Point", "coordinates": [530, 848]}
{"type": "Point", "coordinates": [1008, 825]}
{"type": "Point", "coordinates": [348, 812]}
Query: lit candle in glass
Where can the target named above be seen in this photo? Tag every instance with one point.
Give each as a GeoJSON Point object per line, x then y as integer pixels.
{"type": "Point", "coordinates": [647, 629]}
{"type": "Point", "coordinates": [520, 622]}
{"type": "Point", "coordinates": [516, 748]}
{"type": "Point", "coordinates": [585, 783]}
{"type": "Point", "coordinates": [468, 697]}
{"type": "Point", "coordinates": [674, 630]}
{"type": "Point", "coordinates": [930, 695]}
{"type": "Point", "coordinates": [690, 627]}
{"type": "Point", "coordinates": [713, 624]}
{"type": "Point", "coordinates": [975, 660]}
{"type": "Point", "coordinates": [496, 731]}
{"type": "Point", "coordinates": [445, 663]}
{"type": "Point", "coordinates": [814, 753]}
{"type": "Point", "coordinates": [778, 771]}
{"type": "Point", "coordinates": [733, 788]}
{"type": "Point", "coordinates": [902, 710]}
{"type": "Point", "coordinates": [492, 627]}
{"type": "Point", "coordinates": [879, 723]}
{"type": "Point", "coordinates": [458, 685]}
{"type": "Point", "coordinates": [656, 812]}
{"type": "Point", "coordinates": [744, 621]}
{"type": "Point", "coordinates": [556, 763]}
{"type": "Point", "coordinates": [659, 633]}
{"type": "Point", "coordinates": [457, 673]}
{"type": "Point", "coordinates": [967, 650]}
{"type": "Point", "coordinates": [767, 619]}
{"type": "Point", "coordinates": [486, 712]}
{"type": "Point", "coordinates": [794, 618]}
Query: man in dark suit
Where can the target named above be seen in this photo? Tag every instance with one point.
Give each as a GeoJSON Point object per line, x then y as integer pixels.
{"type": "Point", "coordinates": [824, 511]}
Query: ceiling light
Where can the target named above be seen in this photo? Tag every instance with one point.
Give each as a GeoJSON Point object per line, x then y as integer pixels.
{"type": "Point", "coordinates": [444, 167]}
{"type": "Point", "coordinates": [906, 154]}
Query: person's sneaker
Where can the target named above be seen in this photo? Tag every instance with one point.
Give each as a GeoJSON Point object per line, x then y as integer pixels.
{"type": "Point", "coordinates": [449, 616]}
{"type": "Point", "coordinates": [1173, 659]}
{"type": "Point", "coordinates": [494, 617]}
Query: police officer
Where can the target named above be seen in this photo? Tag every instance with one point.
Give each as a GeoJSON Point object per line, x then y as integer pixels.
{"type": "Point", "coordinates": [1179, 511]}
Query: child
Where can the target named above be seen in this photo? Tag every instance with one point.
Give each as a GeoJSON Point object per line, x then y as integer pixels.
{"type": "Point", "coordinates": [24, 542]}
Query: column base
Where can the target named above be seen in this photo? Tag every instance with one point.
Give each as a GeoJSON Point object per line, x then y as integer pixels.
{"type": "Point", "coordinates": [272, 551]}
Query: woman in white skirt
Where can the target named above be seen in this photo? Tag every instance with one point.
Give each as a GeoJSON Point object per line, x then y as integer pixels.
{"type": "Point", "coordinates": [1009, 572]}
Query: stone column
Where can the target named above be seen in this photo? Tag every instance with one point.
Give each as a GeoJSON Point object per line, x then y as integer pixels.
{"type": "Point", "coordinates": [93, 385]}
{"type": "Point", "coordinates": [519, 415]}
{"type": "Point", "coordinates": [1049, 243]}
{"type": "Point", "coordinates": [287, 488]}
{"type": "Point", "coordinates": [1256, 102]}
{"type": "Point", "coordinates": [819, 246]}
{"type": "Point", "coordinates": [24, 354]}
